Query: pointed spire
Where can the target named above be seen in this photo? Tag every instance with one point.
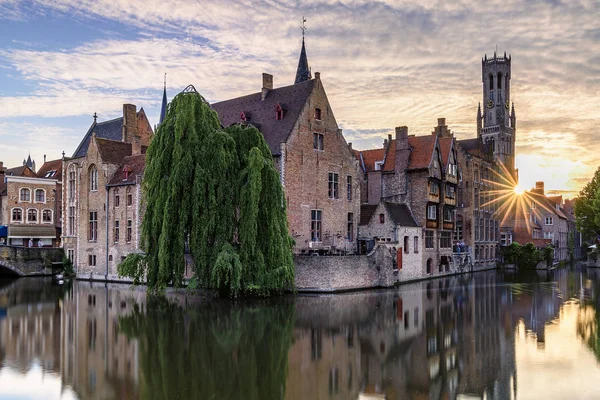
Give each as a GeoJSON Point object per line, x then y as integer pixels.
{"type": "Point", "coordinates": [303, 71]}
{"type": "Point", "coordinates": [163, 107]}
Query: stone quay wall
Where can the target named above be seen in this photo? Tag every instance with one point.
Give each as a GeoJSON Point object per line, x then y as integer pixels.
{"type": "Point", "coordinates": [30, 260]}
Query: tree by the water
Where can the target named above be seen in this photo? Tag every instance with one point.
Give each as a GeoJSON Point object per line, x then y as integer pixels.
{"type": "Point", "coordinates": [587, 209]}
{"type": "Point", "coordinates": [217, 191]}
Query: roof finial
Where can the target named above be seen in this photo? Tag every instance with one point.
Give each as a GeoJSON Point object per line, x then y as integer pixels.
{"type": "Point", "coordinates": [303, 28]}
{"type": "Point", "coordinates": [165, 87]}
{"type": "Point", "coordinates": [95, 117]}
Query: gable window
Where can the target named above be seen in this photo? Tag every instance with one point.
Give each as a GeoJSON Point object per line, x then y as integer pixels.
{"type": "Point", "coordinates": [333, 185]}
{"type": "Point", "coordinates": [40, 196]}
{"type": "Point", "coordinates": [315, 225]}
{"type": "Point", "coordinates": [32, 215]}
{"type": "Point", "coordinates": [71, 221]}
{"type": "Point", "coordinates": [350, 227]}
{"type": "Point", "coordinates": [549, 221]}
{"type": "Point", "coordinates": [429, 239]}
{"type": "Point", "coordinates": [129, 230]}
{"type": "Point", "coordinates": [416, 244]}
{"type": "Point", "coordinates": [349, 187]}
{"type": "Point", "coordinates": [318, 141]}
{"type": "Point", "coordinates": [317, 113]}
{"type": "Point", "coordinates": [72, 183]}
{"type": "Point", "coordinates": [93, 178]}
{"type": "Point", "coordinates": [17, 215]}
{"type": "Point", "coordinates": [117, 198]}
{"type": "Point", "coordinates": [432, 212]}
{"type": "Point", "coordinates": [381, 218]}
{"type": "Point", "coordinates": [25, 194]}
{"type": "Point", "coordinates": [47, 216]}
{"type": "Point", "coordinates": [117, 227]}
{"type": "Point", "coordinates": [93, 224]}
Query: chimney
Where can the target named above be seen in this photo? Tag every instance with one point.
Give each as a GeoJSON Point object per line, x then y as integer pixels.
{"type": "Point", "coordinates": [317, 75]}
{"type": "Point", "coordinates": [1, 167]}
{"type": "Point", "coordinates": [44, 159]}
{"type": "Point", "coordinates": [267, 84]}
{"type": "Point", "coordinates": [539, 186]}
{"type": "Point", "coordinates": [385, 141]}
{"type": "Point", "coordinates": [441, 121]}
{"type": "Point", "coordinates": [129, 122]}
{"type": "Point", "coordinates": [401, 137]}
{"type": "Point", "coordinates": [349, 146]}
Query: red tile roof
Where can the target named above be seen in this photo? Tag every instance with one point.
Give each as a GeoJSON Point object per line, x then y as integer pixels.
{"type": "Point", "coordinates": [370, 157]}
{"type": "Point", "coordinates": [445, 149]}
{"type": "Point", "coordinates": [113, 151]}
{"type": "Point", "coordinates": [132, 166]}
{"type": "Point", "coordinates": [422, 148]}
{"type": "Point", "coordinates": [51, 170]}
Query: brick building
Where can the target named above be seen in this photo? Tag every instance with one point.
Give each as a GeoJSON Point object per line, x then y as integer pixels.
{"type": "Point", "coordinates": [102, 193]}
{"type": "Point", "coordinates": [317, 167]}
{"type": "Point", "coordinates": [53, 170]}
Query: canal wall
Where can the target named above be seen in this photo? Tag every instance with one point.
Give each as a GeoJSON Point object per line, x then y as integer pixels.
{"type": "Point", "coordinates": [29, 261]}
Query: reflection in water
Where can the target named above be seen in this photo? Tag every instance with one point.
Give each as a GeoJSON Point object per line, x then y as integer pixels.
{"type": "Point", "coordinates": [486, 335]}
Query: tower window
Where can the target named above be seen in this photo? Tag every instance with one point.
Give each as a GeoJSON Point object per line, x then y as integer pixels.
{"type": "Point", "coordinates": [499, 80]}
{"type": "Point", "coordinates": [491, 82]}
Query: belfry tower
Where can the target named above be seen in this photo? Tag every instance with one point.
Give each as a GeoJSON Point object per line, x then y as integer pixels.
{"type": "Point", "coordinates": [496, 120]}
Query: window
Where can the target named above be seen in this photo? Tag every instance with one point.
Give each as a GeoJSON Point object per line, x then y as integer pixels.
{"type": "Point", "coordinates": [129, 230]}
{"type": "Point", "coordinates": [434, 189]}
{"type": "Point", "coordinates": [129, 197]}
{"type": "Point", "coordinates": [72, 183]}
{"type": "Point", "coordinates": [17, 215]}
{"type": "Point", "coordinates": [548, 221]}
{"type": "Point", "coordinates": [406, 244]}
{"type": "Point", "coordinates": [349, 187]}
{"type": "Point", "coordinates": [71, 221]}
{"type": "Point", "coordinates": [318, 141]}
{"type": "Point", "coordinates": [549, 235]}
{"type": "Point", "coordinates": [71, 255]}
{"type": "Point", "coordinates": [40, 196]}
{"type": "Point", "coordinates": [93, 178]}
{"type": "Point", "coordinates": [450, 193]}
{"type": "Point", "coordinates": [117, 198]}
{"type": "Point", "coordinates": [333, 381]}
{"type": "Point", "coordinates": [381, 218]}
{"type": "Point", "coordinates": [491, 78]}
{"type": "Point", "coordinates": [317, 113]}
{"type": "Point", "coordinates": [416, 244]}
{"type": "Point", "coordinates": [429, 239]}
{"type": "Point", "coordinates": [333, 186]}
{"type": "Point", "coordinates": [47, 216]}
{"type": "Point", "coordinates": [116, 231]}
{"type": "Point", "coordinates": [315, 225]}
{"type": "Point", "coordinates": [448, 214]}
{"type": "Point", "coordinates": [25, 194]}
{"type": "Point", "coordinates": [458, 232]}
{"type": "Point", "coordinates": [93, 232]}
{"type": "Point", "coordinates": [432, 212]}
{"type": "Point", "coordinates": [350, 227]}
{"type": "Point", "coordinates": [499, 80]}
{"type": "Point", "coordinates": [429, 271]}
{"type": "Point", "coordinates": [92, 260]}
{"type": "Point", "coordinates": [445, 240]}
{"type": "Point", "coordinates": [32, 215]}
{"type": "Point", "coordinates": [534, 218]}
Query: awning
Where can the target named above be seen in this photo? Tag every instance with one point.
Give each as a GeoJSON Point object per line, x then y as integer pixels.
{"type": "Point", "coordinates": [31, 232]}
{"type": "Point", "coordinates": [3, 230]}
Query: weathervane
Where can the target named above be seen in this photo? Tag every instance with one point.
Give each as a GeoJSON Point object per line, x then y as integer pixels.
{"type": "Point", "coordinates": [303, 26]}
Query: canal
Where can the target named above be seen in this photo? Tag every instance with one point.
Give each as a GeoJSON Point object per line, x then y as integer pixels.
{"type": "Point", "coordinates": [488, 335]}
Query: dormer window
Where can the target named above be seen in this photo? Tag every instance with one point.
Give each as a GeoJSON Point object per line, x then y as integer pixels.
{"type": "Point", "coordinates": [317, 113]}
{"type": "Point", "coordinates": [50, 174]}
{"type": "Point", "coordinates": [243, 116]}
{"type": "Point", "coordinates": [278, 112]}
{"type": "Point", "coordinates": [378, 165]}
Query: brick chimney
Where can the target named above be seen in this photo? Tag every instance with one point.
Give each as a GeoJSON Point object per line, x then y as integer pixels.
{"type": "Point", "coordinates": [267, 85]}
{"type": "Point", "coordinates": [129, 122]}
{"type": "Point", "coordinates": [441, 129]}
{"type": "Point", "coordinates": [401, 137]}
{"type": "Point", "coordinates": [539, 186]}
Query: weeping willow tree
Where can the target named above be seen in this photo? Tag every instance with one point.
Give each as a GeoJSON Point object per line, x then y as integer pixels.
{"type": "Point", "coordinates": [217, 190]}
{"type": "Point", "coordinates": [239, 350]}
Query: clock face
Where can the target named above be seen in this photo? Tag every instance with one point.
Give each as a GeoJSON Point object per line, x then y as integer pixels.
{"type": "Point", "coordinates": [506, 105]}
{"type": "Point", "coordinates": [490, 103]}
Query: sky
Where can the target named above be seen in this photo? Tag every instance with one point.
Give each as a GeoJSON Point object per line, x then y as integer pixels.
{"type": "Point", "coordinates": [383, 64]}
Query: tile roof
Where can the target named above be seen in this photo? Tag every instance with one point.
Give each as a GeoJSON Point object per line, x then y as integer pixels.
{"type": "Point", "coordinates": [366, 212]}
{"type": "Point", "coordinates": [369, 157]}
{"type": "Point", "coordinates": [401, 214]}
{"type": "Point", "coordinates": [262, 112]}
{"type": "Point", "coordinates": [22, 170]}
{"type": "Point", "coordinates": [422, 148]}
{"type": "Point", "coordinates": [113, 151]}
{"type": "Point", "coordinates": [132, 166]}
{"type": "Point", "coordinates": [446, 149]}
{"type": "Point", "coordinates": [51, 170]}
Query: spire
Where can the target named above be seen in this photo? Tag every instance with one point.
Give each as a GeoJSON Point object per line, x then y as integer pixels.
{"type": "Point", "coordinates": [303, 71]}
{"type": "Point", "coordinates": [479, 119]}
{"type": "Point", "coordinates": [163, 107]}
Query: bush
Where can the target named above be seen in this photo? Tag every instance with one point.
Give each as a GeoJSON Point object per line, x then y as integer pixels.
{"type": "Point", "coordinates": [67, 267]}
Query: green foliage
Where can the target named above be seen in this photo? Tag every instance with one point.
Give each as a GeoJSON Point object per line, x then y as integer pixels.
{"type": "Point", "coordinates": [548, 255]}
{"type": "Point", "coordinates": [587, 209]}
{"type": "Point", "coordinates": [67, 267]}
{"type": "Point", "coordinates": [511, 253]}
{"type": "Point", "coordinates": [571, 246]}
{"type": "Point", "coordinates": [239, 350]}
{"type": "Point", "coordinates": [525, 257]}
{"type": "Point", "coordinates": [219, 190]}
{"type": "Point", "coordinates": [133, 266]}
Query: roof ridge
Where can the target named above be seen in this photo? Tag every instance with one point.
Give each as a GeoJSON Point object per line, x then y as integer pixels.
{"type": "Point", "coordinates": [258, 93]}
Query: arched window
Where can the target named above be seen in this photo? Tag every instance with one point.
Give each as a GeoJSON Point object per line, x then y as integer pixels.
{"type": "Point", "coordinates": [429, 266]}
{"type": "Point", "coordinates": [72, 182]}
{"type": "Point", "coordinates": [499, 80]}
{"type": "Point", "coordinates": [93, 178]}
{"type": "Point", "coordinates": [40, 196]}
{"type": "Point", "coordinates": [47, 216]}
{"type": "Point", "coordinates": [32, 215]}
{"type": "Point", "coordinates": [491, 82]}
{"type": "Point", "coordinates": [17, 215]}
{"type": "Point", "coordinates": [25, 194]}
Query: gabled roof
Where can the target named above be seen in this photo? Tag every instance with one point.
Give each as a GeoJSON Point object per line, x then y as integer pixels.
{"type": "Point", "coordinates": [422, 151]}
{"type": "Point", "coordinates": [113, 151]}
{"type": "Point", "coordinates": [22, 170]}
{"type": "Point", "coordinates": [446, 145]}
{"type": "Point", "coordinates": [369, 157]}
{"type": "Point", "coordinates": [262, 112]}
{"type": "Point", "coordinates": [366, 212]}
{"type": "Point", "coordinates": [401, 214]}
{"type": "Point", "coordinates": [51, 170]}
{"type": "Point", "coordinates": [132, 166]}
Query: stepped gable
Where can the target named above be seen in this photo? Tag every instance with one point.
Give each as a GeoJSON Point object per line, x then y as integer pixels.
{"type": "Point", "coordinates": [262, 114]}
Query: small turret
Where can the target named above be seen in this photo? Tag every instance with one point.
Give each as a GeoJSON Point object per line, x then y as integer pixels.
{"type": "Point", "coordinates": [513, 117]}
{"type": "Point", "coordinates": [479, 117]}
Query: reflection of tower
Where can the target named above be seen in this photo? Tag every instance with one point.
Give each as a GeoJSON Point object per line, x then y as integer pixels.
{"type": "Point", "coordinates": [498, 132]}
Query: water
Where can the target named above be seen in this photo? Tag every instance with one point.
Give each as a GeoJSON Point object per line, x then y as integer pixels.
{"type": "Point", "coordinates": [487, 335]}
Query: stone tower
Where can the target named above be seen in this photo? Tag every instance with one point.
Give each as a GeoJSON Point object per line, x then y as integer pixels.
{"type": "Point", "coordinates": [496, 121]}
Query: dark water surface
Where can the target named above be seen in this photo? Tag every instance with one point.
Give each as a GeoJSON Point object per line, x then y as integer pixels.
{"type": "Point", "coordinates": [490, 335]}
